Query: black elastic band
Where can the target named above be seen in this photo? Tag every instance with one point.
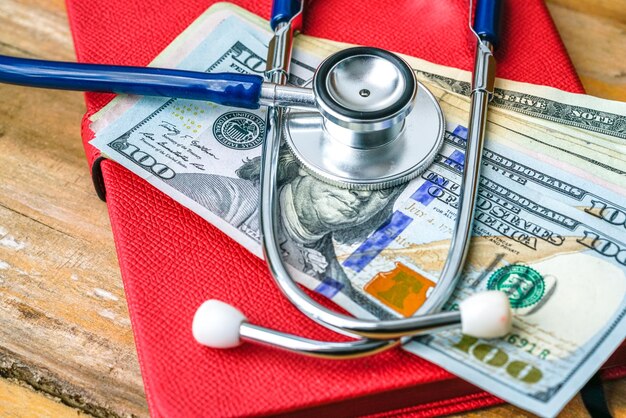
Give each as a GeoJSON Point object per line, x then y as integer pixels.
{"type": "Point", "coordinates": [593, 398]}
{"type": "Point", "coordinates": [98, 181]}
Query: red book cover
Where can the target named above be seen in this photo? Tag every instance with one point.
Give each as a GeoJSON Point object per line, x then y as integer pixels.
{"type": "Point", "coordinates": [172, 260]}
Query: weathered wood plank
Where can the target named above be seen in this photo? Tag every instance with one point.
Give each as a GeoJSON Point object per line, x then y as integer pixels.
{"type": "Point", "coordinates": [612, 9]}
{"type": "Point", "coordinates": [595, 43]}
{"type": "Point", "coordinates": [65, 328]}
{"type": "Point", "coordinates": [20, 401]}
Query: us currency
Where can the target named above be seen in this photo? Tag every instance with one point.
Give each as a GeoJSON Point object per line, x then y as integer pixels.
{"type": "Point", "coordinates": [558, 262]}
{"type": "Point", "coordinates": [380, 253]}
{"type": "Point", "coordinates": [574, 145]}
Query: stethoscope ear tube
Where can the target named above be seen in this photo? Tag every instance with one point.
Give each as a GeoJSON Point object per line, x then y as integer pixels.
{"type": "Point", "coordinates": [283, 11]}
{"type": "Point", "coordinates": [228, 89]}
{"type": "Point", "coordinates": [219, 325]}
{"type": "Point", "coordinates": [487, 20]}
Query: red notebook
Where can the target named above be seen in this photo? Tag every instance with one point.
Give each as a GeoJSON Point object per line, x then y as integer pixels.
{"type": "Point", "coordinates": [172, 260]}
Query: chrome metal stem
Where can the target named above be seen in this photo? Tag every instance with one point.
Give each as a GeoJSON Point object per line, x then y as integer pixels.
{"type": "Point", "coordinates": [484, 76]}
{"type": "Point", "coordinates": [279, 51]}
{"type": "Point", "coordinates": [482, 89]}
{"type": "Point", "coordinates": [273, 95]}
{"type": "Point", "coordinates": [314, 348]}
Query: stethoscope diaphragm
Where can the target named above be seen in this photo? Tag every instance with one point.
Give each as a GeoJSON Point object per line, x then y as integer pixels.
{"type": "Point", "coordinates": [376, 125]}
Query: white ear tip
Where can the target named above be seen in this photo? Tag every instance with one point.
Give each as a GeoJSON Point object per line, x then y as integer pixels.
{"type": "Point", "coordinates": [216, 324]}
{"type": "Point", "coordinates": [486, 314]}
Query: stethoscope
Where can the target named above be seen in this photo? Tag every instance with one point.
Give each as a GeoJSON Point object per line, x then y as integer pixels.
{"type": "Point", "coordinates": [366, 123]}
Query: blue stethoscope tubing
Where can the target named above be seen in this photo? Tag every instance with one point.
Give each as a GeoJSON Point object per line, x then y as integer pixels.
{"type": "Point", "coordinates": [228, 89]}
{"type": "Point", "coordinates": [246, 91]}
{"type": "Point", "coordinates": [237, 90]}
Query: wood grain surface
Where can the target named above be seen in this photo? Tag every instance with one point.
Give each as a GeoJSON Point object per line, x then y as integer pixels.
{"type": "Point", "coordinates": [66, 346]}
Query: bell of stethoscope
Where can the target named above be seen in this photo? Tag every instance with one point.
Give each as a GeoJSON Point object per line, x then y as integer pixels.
{"type": "Point", "coordinates": [366, 123]}
{"type": "Point", "coordinates": [375, 125]}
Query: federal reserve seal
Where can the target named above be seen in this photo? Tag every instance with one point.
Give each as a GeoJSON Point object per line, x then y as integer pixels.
{"type": "Point", "coordinates": [239, 130]}
{"type": "Point", "coordinates": [524, 285]}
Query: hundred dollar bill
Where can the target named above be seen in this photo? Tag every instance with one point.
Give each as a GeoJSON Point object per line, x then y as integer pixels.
{"type": "Point", "coordinates": [380, 253]}
{"type": "Point", "coordinates": [603, 155]}
{"type": "Point", "coordinates": [558, 262]}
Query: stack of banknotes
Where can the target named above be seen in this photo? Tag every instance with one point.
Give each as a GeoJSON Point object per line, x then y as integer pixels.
{"type": "Point", "coordinates": [549, 225]}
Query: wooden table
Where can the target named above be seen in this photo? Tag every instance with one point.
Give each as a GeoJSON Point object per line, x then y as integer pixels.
{"type": "Point", "coordinates": [66, 346]}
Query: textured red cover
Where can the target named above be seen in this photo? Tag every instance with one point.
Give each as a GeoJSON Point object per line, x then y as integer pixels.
{"type": "Point", "coordinates": [172, 260]}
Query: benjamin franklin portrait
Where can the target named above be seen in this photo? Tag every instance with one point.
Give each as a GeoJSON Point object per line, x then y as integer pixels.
{"type": "Point", "coordinates": [313, 214]}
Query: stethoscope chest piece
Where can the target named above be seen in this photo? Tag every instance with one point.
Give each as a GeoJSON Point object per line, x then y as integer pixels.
{"type": "Point", "coordinates": [376, 125]}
